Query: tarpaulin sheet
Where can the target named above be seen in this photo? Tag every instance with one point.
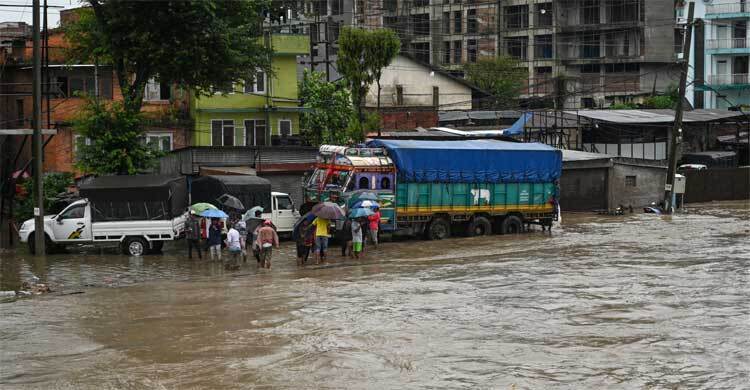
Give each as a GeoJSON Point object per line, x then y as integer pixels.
{"type": "Point", "coordinates": [473, 161]}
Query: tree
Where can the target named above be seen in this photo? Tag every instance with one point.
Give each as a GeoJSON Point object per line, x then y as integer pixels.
{"type": "Point", "coordinates": [500, 76]}
{"type": "Point", "coordinates": [114, 142]}
{"type": "Point", "coordinates": [199, 43]}
{"type": "Point", "coordinates": [362, 56]}
{"type": "Point", "coordinates": [330, 110]}
{"type": "Point", "coordinates": [54, 184]}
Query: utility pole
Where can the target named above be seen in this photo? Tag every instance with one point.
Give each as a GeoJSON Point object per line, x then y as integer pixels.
{"type": "Point", "coordinates": [328, 61]}
{"type": "Point", "coordinates": [37, 138]}
{"type": "Point", "coordinates": [677, 128]}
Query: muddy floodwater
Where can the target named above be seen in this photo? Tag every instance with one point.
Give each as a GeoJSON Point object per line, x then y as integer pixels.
{"type": "Point", "coordinates": [630, 302]}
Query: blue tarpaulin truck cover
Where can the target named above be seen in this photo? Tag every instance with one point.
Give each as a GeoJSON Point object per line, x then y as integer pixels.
{"type": "Point", "coordinates": [472, 161]}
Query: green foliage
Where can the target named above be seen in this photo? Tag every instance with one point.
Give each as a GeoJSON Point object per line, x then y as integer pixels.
{"type": "Point", "coordinates": [659, 102]}
{"type": "Point", "coordinates": [53, 184]}
{"type": "Point", "coordinates": [199, 43]}
{"type": "Point", "coordinates": [330, 110]}
{"type": "Point", "coordinates": [116, 143]}
{"type": "Point", "coordinates": [501, 76]}
{"type": "Point", "coordinates": [362, 56]}
{"type": "Point", "coordinates": [623, 106]}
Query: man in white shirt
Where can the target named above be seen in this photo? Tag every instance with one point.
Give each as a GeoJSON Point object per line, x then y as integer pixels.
{"type": "Point", "coordinates": [234, 246]}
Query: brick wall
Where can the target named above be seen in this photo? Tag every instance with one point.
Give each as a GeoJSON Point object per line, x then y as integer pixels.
{"type": "Point", "coordinates": [408, 120]}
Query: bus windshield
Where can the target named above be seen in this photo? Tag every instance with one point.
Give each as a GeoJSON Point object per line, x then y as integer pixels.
{"type": "Point", "coordinates": [335, 180]}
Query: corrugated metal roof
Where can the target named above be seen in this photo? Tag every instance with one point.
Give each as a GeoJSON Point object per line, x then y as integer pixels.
{"type": "Point", "coordinates": [576, 155]}
{"type": "Point", "coordinates": [453, 116]}
{"type": "Point", "coordinates": [654, 116]}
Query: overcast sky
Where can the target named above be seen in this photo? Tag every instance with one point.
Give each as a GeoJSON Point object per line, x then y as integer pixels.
{"type": "Point", "coordinates": [13, 14]}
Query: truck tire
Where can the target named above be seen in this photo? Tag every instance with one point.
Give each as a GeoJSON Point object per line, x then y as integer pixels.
{"type": "Point", "coordinates": [479, 226]}
{"type": "Point", "coordinates": [439, 229]}
{"type": "Point", "coordinates": [49, 246]}
{"type": "Point", "coordinates": [512, 224]}
{"type": "Point", "coordinates": [134, 246]}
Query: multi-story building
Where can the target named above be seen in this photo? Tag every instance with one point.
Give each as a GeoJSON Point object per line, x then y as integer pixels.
{"type": "Point", "coordinates": [720, 57]}
{"type": "Point", "coordinates": [579, 53]}
{"type": "Point", "coordinates": [259, 112]}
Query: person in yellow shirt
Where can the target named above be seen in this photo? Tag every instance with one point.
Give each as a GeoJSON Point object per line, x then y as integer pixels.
{"type": "Point", "coordinates": [322, 226]}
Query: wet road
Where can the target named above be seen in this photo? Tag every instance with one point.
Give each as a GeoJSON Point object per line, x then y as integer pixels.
{"type": "Point", "coordinates": [638, 301]}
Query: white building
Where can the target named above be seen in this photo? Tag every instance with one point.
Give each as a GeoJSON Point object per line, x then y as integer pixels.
{"type": "Point", "coordinates": [409, 83]}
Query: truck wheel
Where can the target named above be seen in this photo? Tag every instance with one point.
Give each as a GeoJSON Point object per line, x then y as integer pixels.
{"type": "Point", "coordinates": [135, 246]}
{"type": "Point", "coordinates": [49, 246]}
{"type": "Point", "coordinates": [512, 225]}
{"type": "Point", "coordinates": [439, 229]}
{"type": "Point", "coordinates": [479, 226]}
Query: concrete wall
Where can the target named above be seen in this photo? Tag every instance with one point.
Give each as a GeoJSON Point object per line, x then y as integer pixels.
{"type": "Point", "coordinates": [417, 86]}
{"type": "Point", "coordinates": [583, 189]}
{"type": "Point", "coordinates": [717, 184]}
{"type": "Point", "coordinates": [649, 185]}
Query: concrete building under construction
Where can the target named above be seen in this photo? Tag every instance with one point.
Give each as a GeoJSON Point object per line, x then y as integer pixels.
{"type": "Point", "coordinates": [579, 53]}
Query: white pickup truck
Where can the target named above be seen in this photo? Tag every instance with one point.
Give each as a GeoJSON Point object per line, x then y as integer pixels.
{"type": "Point", "coordinates": [74, 225]}
{"type": "Point", "coordinates": [283, 214]}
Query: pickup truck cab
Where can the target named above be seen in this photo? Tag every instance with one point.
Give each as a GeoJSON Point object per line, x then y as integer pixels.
{"type": "Point", "coordinates": [74, 225]}
{"type": "Point", "coordinates": [283, 214]}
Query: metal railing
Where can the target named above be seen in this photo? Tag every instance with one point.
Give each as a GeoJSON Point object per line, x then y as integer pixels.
{"type": "Point", "coordinates": [728, 43]}
{"type": "Point", "coordinates": [728, 8]}
{"type": "Point", "coordinates": [729, 79]}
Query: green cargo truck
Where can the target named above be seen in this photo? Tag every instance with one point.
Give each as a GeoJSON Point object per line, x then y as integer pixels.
{"type": "Point", "coordinates": [439, 188]}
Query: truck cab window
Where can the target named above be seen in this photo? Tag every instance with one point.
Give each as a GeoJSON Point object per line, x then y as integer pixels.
{"type": "Point", "coordinates": [385, 183]}
{"type": "Point", "coordinates": [364, 183]}
{"type": "Point", "coordinates": [284, 203]}
{"type": "Point", "coordinates": [73, 213]}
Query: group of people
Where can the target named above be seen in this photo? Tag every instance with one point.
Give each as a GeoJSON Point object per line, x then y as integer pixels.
{"type": "Point", "coordinates": [314, 235]}
{"type": "Point", "coordinates": [261, 234]}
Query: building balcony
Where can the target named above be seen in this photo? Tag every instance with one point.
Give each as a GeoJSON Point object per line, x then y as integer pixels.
{"type": "Point", "coordinates": [728, 46]}
{"type": "Point", "coordinates": [738, 9]}
{"type": "Point", "coordinates": [729, 81]}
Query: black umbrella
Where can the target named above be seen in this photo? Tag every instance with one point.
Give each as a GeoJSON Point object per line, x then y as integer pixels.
{"type": "Point", "coordinates": [231, 201]}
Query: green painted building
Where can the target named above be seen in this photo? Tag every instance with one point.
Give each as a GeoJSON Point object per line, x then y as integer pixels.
{"type": "Point", "coordinates": [262, 112]}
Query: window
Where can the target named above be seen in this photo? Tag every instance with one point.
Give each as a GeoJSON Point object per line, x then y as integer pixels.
{"type": "Point", "coordinates": [77, 86]}
{"type": "Point", "coordinates": [74, 212]}
{"type": "Point", "coordinates": [590, 43]}
{"type": "Point", "coordinates": [399, 95]}
{"type": "Point", "coordinates": [421, 3]}
{"type": "Point", "coordinates": [543, 46]}
{"type": "Point", "coordinates": [457, 22]}
{"type": "Point", "coordinates": [516, 47]}
{"type": "Point", "coordinates": [591, 68]}
{"type": "Point", "coordinates": [284, 203]}
{"type": "Point", "coordinates": [517, 17]}
{"type": "Point", "coordinates": [622, 11]}
{"type": "Point", "coordinates": [385, 183]}
{"type": "Point", "coordinates": [79, 140]}
{"type": "Point", "coordinates": [285, 128]}
{"type": "Point", "coordinates": [364, 183]}
{"type": "Point", "coordinates": [421, 51]}
{"type": "Point", "coordinates": [630, 181]}
{"type": "Point", "coordinates": [159, 141]}
{"type": "Point", "coordinates": [543, 14]}
{"type": "Point", "coordinates": [421, 23]}
{"type": "Point", "coordinates": [258, 85]}
{"type": "Point", "coordinates": [587, 102]}
{"type": "Point", "coordinates": [590, 12]}
{"type": "Point", "coordinates": [222, 132]}
{"type": "Point", "coordinates": [471, 21]}
{"type": "Point", "coordinates": [457, 52]}
{"type": "Point", "coordinates": [61, 87]}
{"type": "Point", "coordinates": [446, 22]}
{"type": "Point", "coordinates": [255, 132]}
{"type": "Point", "coordinates": [155, 91]}
{"type": "Point", "coordinates": [446, 52]}
{"type": "Point", "coordinates": [471, 50]}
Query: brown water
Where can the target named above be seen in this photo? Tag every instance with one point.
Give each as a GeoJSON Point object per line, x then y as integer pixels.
{"type": "Point", "coordinates": [638, 301]}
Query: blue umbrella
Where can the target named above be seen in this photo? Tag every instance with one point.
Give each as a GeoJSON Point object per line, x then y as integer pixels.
{"type": "Point", "coordinates": [211, 213]}
{"type": "Point", "coordinates": [360, 212]}
{"type": "Point", "coordinates": [366, 204]}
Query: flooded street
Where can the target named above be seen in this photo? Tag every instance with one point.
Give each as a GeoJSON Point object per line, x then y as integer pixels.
{"type": "Point", "coordinates": [637, 301]}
